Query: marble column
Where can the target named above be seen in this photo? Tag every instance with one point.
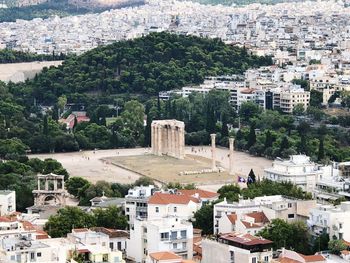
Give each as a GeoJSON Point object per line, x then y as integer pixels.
{"type": "Point", "coordinates": [213, 151]}
{"type": "Point", "coordinates": [46, 185]}
{"type": "Point", "coordinates": [38, 184]}
{"type": "Point", "coordinates": [159, 141]}
{"type": "Point", "coordinates": [172, 141]}
{"type": "Point", "coordinates": [182, 144]}
{"type": "Point", "coordinates": [55, 185]}
{"type": "Point", "coordinates": [153, 148]}
{"type": "Point", "coordinates": [231, 142]}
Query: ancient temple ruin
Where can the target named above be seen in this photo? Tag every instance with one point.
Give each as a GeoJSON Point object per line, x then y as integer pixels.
{"type": "Point", "coordinates": [168, 138]}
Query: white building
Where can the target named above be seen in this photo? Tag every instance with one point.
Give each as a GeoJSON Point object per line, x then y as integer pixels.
{"type": "Point", "coordinates": [298, 170]}
{"type": "Point", "coordinates": [236, 247]}
{"type": "Point", "coordinates": [164, 234]}
{"type": "Point", "coordinates": [136, 202]}
{"type": "Point", "coordinates": [330, 219]}
{"type": "Point", "coordinates": [167, 204]}
{"type": "Point", "coordinates": [252, 213]}
{"type": "Point", "coordinates": [7, 202]}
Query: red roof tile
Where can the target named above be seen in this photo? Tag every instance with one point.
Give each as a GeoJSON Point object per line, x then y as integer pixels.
{"type": "Point", "coordinates": [313, 258]}
{"type": "Point", "coordinates": [165, 255]}
{"type": "Point", "coordinates": [232, 218]}
{"type": "Point", "coordinates": [165, 199]}
{"type": "Point", "coordinates": [245, 239]}
{"type": "Point", "coordinates": [201, 193]}
{"type": "Point", "coordinates": [259, 217]}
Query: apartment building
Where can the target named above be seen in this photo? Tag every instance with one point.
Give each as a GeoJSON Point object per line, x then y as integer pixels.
{"type": "Point", "coordinates": [293, 97]}
{"type": "Point", "coordinates": [249, 216]}
{"type": "Point", "coordinates": [7, 202]}
{"type": "Point", "coordinates": [162, 234]}
{"type": "Point", "coordinates": [334, 220]}
{"type": "Point", "coordinates": [237, 247]}
{"type": "Point", "coordinates": [136, 202]}
{"type": "Point", "coordinates": [162, 205]}
{"type": "Point", "coordinates": [250, 223]}
{"type": "Point", "coordinates": [299, 170]}
{"type": "Point", "coordinates": [292, 256]}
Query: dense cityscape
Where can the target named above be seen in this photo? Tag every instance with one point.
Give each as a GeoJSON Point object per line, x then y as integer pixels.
{"type": "Point", "coordinates": [174, 131]}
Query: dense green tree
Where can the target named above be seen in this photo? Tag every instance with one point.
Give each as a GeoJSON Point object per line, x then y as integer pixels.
{"type": "Point", "coordinates": [74, 185]}
{"type": "Point", "coordinates": [316, 98]}
{"type": "Point", "coordinates": [203, 219]}
{"type": "Point", "coordinates": [110, 217]}
{"type": "Point", "coordinates": [336, 246]}
{"type": "Point", "coordinates": [251, 136]}
{"type": "Point", "coordinates": [66, 219]}
{"type": "Point", "coordinates": [293, 236]}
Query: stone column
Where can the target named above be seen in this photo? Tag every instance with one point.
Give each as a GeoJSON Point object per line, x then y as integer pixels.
{"type": "Point", "coordinates": [46, 184]}
{"type": "Point", "coordinates": [159, 141]}
{"type": "Point", "coordinates": [55, 185]}
{"type": "Point", "coordinates": [182, 143]}
{"type": "Point", "coordinates": [38, 184]}
{"type": "Point", "coordinates": [213, 151]}
{"type": "Point", "coordinates": [231, 141]}
{"type": "Point", "coordinates": [62, 184]}
{"type": "Point", "coordinates": [153, 134]}
{"type": "Point", "coordinates": [172, 141]}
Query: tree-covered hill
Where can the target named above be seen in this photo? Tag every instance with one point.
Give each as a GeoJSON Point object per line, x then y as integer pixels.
{"type": "Point", "coordinates": [159, 61]}
{"type": "Point", "coordinates": [13, 56]}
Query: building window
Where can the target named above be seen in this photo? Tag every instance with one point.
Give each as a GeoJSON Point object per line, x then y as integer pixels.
{"type": "Point", "coordinates": [340, 225]}
{"type": "Point", "coordinates": [174, 245]}
{"type": "Point", "coordinates": [157, 209]}
{"type": "Point", "coordinates": [38, 254]}
{"type": "Point", "coordinates": [289, 205]}
{"type": "Point", "coordinates": [32, 256]}
{"type": "Point", "coordinates": [175, 209]}
{"type": "Point", "coordinates": [290, 216]}
{"type": "Point", "coordinates": [266, 259]}
{"type": "Point", "coordinates": [254, 260]}
{"type": "Point", "coordinates": [127, 209]}
{"type": "Point", "coordinates": [164, 236]}
{"type": "Point", "coordinates": [232, 256]}
{"type": "Point", "coordinates": [183, 234]}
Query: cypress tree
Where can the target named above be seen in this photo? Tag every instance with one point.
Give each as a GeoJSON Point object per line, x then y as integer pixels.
{"type": "Point", "coordinates": [211, 120]}
{"type": "Point", "coordinates": [284, 144]}
{"type": "Point", "coordinates": [320, 155]}
{"type": "Point", "coordinates": [252, 177]}
{"type": "Point", "coordinates": [224, 128]}
{"type": "Point", "coordinates": [268, 139]}
{"type": "Point", "coordinates": [251, 137]}
{"type": "Point", "coordinates": [45, 126]}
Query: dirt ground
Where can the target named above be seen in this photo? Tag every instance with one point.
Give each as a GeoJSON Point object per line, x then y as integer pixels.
{"type": "Point", "coordinates": [92, 165]}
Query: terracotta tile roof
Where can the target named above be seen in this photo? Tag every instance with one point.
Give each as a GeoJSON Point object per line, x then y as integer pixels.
{"type": "Point", "coordinates": [250, 225]}
{"type": "Point", "coordinates": [202, 193]}
{"type": "Point", "coordinates": [345, 252]}
{"type": "Point", "coordinates": [165, 199]}
{"type": "Point", "coordinates": [232, 218]}
{"type": "Point", "coordinates": [164, 255]}
{"type": "Point", "coordinates": [6, 219]}
{"type": "Point", "coordinates": [259, 217]}
{"type": "Point", "coordinates": [40, 234]}
{"type": "Point", "coordinates": [313, 258]}
{"type": "Point", "coordinates": [27, 225]}
{"type": "Point", "coordinates": [188, 261]}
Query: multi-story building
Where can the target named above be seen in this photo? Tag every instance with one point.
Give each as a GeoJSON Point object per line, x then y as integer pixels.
{"type": "Point", "coordinates": [298, 170]}
{"type": "Point", "coordinates": [172, 204]}
{"type": "Point", "coordinates": [250, 223]}
{"type": "Point", "coordinates": [334, 220]}
{"type": "Point", "coordinates": [236, 247]}
{"type": "Point", "coordinates": [163, 234]}
{"type": "Point", "coordinates": [293, 97]}
{"type": "Point", "coordinates": [7, 202]}
{"type": "Point", "coordinates": [136, 202]}
{"type": "Point", "coordinates": [255, 213]}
